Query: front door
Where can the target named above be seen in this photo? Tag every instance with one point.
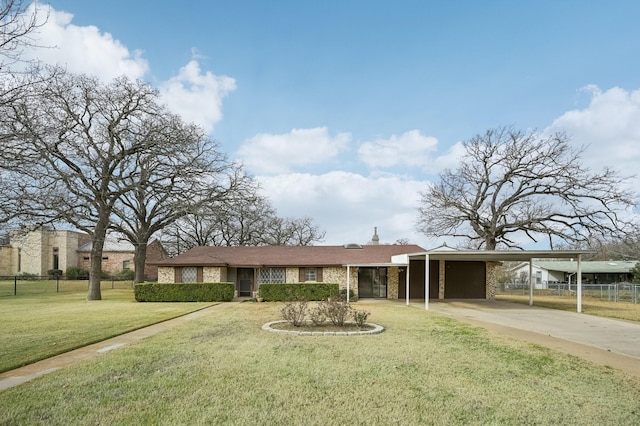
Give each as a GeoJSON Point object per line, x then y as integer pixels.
{"type": "Point", "coordinates": [245, 282]}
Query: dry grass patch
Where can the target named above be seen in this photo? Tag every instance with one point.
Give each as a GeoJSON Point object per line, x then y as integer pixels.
{"type": "Point", "coordinates": [424, 369]}
{"type": "Point", "coordinates": [618, 310]}
{"type": "Point", "coordinates": [39, 326]}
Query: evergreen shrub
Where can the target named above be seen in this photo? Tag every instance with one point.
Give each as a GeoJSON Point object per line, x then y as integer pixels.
{"type": "Point", "coordinates": [76, 273]}
{"type": "Point", "coordinates": [184, 292]}
{"type": "Point", "coordinates": [298, 291]}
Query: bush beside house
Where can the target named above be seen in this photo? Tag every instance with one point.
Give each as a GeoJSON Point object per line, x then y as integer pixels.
{"type": "Point", "coordinates": [201, 292]}
{"type": "Point", "coordinates": [297, 291]}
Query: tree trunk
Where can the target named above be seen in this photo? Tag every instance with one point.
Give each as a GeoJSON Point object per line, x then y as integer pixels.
{"type": "Point", "coordinates": [139, 261]}
{"type": "Point", "coordinates": [95, 273]}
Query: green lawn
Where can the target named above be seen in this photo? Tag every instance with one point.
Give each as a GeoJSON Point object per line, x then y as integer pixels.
{"type": "Point", "coordinates": [38, 326]}
{"type": "Point", "coordinates": [23, 286]}
{"type": "Point", "coordinates": [424, 369]}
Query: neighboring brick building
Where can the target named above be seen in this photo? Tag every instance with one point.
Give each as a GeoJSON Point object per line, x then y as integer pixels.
{"type": "Point", "coordinates": [155, 252]}
{"type": "Point", "coordinates": [41, 250]}
{"type": "Point", "coordinates": [117, 256]}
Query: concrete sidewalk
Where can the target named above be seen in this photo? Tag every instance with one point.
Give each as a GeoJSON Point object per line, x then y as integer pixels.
{"type": "Point", "coordinates": [12, 378]}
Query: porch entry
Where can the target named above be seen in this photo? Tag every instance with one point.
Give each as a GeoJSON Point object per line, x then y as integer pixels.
{"type": "Point", "coordinates": [244, 285]}
{"type": "Point", "coordinates": [372, 282]}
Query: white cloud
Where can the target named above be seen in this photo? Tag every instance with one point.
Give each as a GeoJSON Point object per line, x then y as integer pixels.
{"type": "Point", "coordinates": [194, 94]}
{"type": "Point", "coordinates": [410, 148]}
{"type": "Point", "coordinates": [609, 126]}
{"type": "Point", "coordinates": [449, 160]}
{"type": "Point", "coordinates": [197, 96]}
{"type": "Point", "coordinates": [82, 49]}
{"type": "Point", "coordinates": [348, 205]}
{"type": "Point", "coordinates": [271, 154]}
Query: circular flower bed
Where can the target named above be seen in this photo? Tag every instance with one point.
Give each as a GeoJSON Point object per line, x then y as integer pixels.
{"type": "Point", "coordinates": [310, 329]}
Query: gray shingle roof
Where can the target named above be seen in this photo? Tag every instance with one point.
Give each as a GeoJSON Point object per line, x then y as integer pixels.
{"type": "Point", "coordinates": [110, 246]}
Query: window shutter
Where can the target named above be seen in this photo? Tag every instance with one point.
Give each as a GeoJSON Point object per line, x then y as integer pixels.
{"type": "Point", "coordinates": [199, 274]}
{"type": "Point", "coordinates": [178, 275]}
{"type": "Point", "coordinates": [319, 275]}
{"type": "Point", "coordinates": [301, 277]}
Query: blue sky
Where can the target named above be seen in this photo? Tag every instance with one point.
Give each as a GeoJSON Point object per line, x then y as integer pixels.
{"type": "Point", "coordinates": [345, 110]}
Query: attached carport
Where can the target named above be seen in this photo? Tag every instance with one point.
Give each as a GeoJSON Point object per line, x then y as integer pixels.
{"type": "Point", "coordinates": [476, 257]}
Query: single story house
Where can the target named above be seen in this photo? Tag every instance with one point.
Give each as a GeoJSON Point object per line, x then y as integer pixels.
{"type": "Point", "coordinates": [370, 271]}
{"type": "Point", "coordinates": [367, 267]}
{"type": "Point", "coordinates": [564, 271]}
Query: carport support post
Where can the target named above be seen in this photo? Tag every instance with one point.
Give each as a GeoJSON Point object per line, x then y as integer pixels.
{"type": "Point", "coordinates": [579, 278]}
{"type": "Point", "coordinates": [407, 282]}
{"type": "Point", "coordinates": [531, 282]}
{"type": "Point", "coordinates": [426, 282]}
{"type": "Point", "coordinates": [348, 281]}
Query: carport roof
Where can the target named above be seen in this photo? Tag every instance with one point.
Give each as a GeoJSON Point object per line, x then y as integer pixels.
{"type": "Point", "coordinates": [491, 255]}
{"type": "Point", "coordinates": [446, 253]}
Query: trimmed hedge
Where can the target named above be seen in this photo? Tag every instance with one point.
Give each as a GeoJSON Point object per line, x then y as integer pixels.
{"type": "Point", "coordinates": [297, 291]}
{"type": "Point", "coordinates": [184, 292]}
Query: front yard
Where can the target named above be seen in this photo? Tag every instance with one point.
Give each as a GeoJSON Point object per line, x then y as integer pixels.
{"type": "Point", "coordinates": [423, 369]}
{"type": "Point", "coordinates": [38, 326]}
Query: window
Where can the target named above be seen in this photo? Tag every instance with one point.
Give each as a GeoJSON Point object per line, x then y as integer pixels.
{"type": "Point", "coordinates": [86, 258]}
{"type": "Point", "coordinates": [126, 265]}
{"type": "Point", "coordinates": [189, 274]}
{"type": "Point", "coordinates": [56, 258]}
{"type": "Point", "coordinates": [310, 274]}
{"type": "Point", "coordinates": [105, 257]}
{"type": "Point", "coordinates": [272, 275]}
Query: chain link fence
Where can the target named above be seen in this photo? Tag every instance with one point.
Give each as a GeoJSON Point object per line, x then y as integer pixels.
{"type": "Point", "coordinates": [616, 292]}
{"type": "Point", "coordinates": [15, 285]}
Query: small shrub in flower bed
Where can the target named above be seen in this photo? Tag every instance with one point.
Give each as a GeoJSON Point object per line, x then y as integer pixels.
{"type": "Point", "coordinates": [336, 310]}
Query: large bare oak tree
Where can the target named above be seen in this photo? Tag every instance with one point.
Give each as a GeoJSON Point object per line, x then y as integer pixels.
{"type": "Point", "coordinates": [190, 172]}
{"type": "Point", "coordinates": [73, 144]}
{"type": "Point", "coordinates": [515, 186]}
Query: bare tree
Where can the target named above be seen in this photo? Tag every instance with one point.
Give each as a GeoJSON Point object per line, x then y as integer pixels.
{"type": "Point", "coordinates": [16, 25]}
{"type": "Point", "coordinates": [187, 173]}
{"type": "Point", "coordinates": [73, 142]}
{"type": "Point", "coordinates": [609, 248]}
{"type": "Point", "coordinates": [244, 219]}
{"type": "Point", "coordinates": [402, 241]}
{"type": "Point", "coordinates": [303, 232]}
{"type": "Point", "coordinates": [513, 184]}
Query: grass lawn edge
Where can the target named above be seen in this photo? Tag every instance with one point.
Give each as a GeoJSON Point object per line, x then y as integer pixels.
{"type": "Point", "coordinates": [98, 340]}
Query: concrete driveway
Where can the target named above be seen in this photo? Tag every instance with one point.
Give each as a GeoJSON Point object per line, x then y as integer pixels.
{"type": "Point", "coordinates": [606, 341]}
